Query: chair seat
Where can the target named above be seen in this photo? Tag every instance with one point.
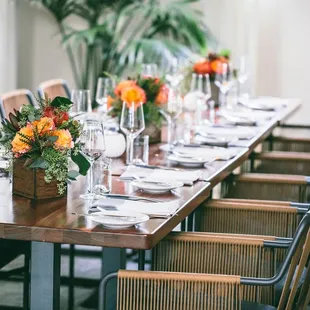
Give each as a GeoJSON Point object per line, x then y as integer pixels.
{"type": "Point", "coordinates": [248, 305]}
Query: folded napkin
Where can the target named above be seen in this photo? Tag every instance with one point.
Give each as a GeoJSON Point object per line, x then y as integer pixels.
{"type": "Point", "coordinates": [208, 153]}
{"type": "Point", "coordinates": [252, 116]}
{"type": "Point", "coordinates": [186, 177]}
{"type": "Point", "coordinates": [159, 208]}
{"type": "Point", "coordinates": [264, 103]}
{"type": "Point", "coordinates": [243, 132]}
{"type": "Point", "coordinates": [4, 164]}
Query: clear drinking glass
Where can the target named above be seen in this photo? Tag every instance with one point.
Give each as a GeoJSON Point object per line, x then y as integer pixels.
{"type": "Point", "coordinates": [149, 70]}
{"type": "Point", "coordinates": [81, 101]}
{"type": "Point", "coordinates": [171, 111]}
{"type": "Point", "coordinates": [104, 87]}
{"type": "Point", "coordinates": [174, 76]}
{"type": "Point", "coordinates": [201, 87]}
{"type": "Point", "coordinates": [103, 176]}
{"type": "Point", "coordinates": [132, 124]}
{"type": "Point", "coordinates": [241, 73]}
{"type": "Point", "coordinates": [93, 147]}
{"type": "Point", "coordinates": [223, 82]}
{"type": "Point", "coordinates": [141, 150]}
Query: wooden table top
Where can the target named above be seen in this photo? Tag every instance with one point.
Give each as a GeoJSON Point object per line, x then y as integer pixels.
{"type": "Point", "coordinates": [53, 221]}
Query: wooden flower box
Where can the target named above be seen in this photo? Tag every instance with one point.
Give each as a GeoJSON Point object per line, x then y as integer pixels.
{"type": "Point", "coordinates": [30, 183]}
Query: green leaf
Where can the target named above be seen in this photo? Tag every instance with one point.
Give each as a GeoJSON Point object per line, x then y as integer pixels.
{"type": "Point", "coordinates": [82, 163]}
{"type": "Point", "coordinates": [52, 138]}
{"type": "Point", "coordinates": [31, 117]}
{"type": "Point", "coordinates": [73, 174]}
{"type": "Point", "coordinates": [61, 101]}
{"type": "Point", "coordinates": [39, 163]}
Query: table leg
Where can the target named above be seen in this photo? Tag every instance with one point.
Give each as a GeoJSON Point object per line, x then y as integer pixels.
{"type": "Point", "coordinates": [45, 276]}
{"type": "Point", "coordinates": [113, 259]}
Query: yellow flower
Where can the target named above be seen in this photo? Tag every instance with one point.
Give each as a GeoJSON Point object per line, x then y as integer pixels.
{"type": "Point", "coordinates": [133, 94]}
{"type": "Point", "coordinates": [64, 140]}
{"type": "Point", "coordinates": [19, 146]}
{"type": "Point", "coordinates": [44, 125]}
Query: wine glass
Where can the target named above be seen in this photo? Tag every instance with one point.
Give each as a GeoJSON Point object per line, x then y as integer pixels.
{"type": "Point", "coordinates": [171, 111]}
{"type": "Point", "coordinates": [174, 76]}
{"type": "Point", "coordinates": [149, 70]}
{"type": "Point", "coordinates": [132, 124]}
{"type": "Point", "coordinates": [81, 102]}
{"type": "Point", "coordinates": [223, 82]}
{"type": "Point", "coordinates": [104, 87]}
{"type": "Point", "coordinates": [241, 73]}
{"type": "Point", "coordinates": [93, 147]}
{"type": "Point", "coordinates": [201, 87]}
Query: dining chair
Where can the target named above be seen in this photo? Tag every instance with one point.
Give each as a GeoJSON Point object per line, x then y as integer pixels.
{"type": "Point", "coordinates": [185, 290]}
{"type": "Point", "coordinates": [250, 217]}
{"type": "Point", "coordinates": [267, 187]}
{"type": "Point", "coordinates": [10, 250]}
{"type": "Point", "coordinates": [15, 100]}
{"type": "Point", "coordinates": [54, 88]}
{"type": "Point", "coordinates": [281, 162]}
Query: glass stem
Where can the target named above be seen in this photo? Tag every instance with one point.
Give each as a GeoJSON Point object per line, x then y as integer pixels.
{"type": "Point", "coordinates": [129, 151]}
{"type": "Point", "coordinates": [91, 176]}
{"type": "Point", "coordinates": [170, 130]}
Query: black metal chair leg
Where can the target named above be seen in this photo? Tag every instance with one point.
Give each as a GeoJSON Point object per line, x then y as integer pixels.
{"type": "Point", "coordinates": [183, 225]}
{"type": "Point", "coordinates": [141, 262]}
{"type": "Point", "coordinates": [103, 288]}
{"type": "Point", "coordinates": [71, 278]}
{"type": "Point", "coordinates": [26, 290]}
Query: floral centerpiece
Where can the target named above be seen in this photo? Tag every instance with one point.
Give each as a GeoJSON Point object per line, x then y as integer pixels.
{"type": "Point", "coordinates": [152, 92]}
{"type": "Point", "coordinates": [39, 141]}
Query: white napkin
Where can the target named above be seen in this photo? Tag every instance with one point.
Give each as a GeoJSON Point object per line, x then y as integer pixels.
{"type": "Point", "coordinates": [159, 208]}
{"type": "Point", "coordinates": [209, 153]}
{"type": "Point", "coordinates": [240, 132]}
{"type": "Point", "coordinates": [252, 115]}
{"type": "Point", "coordinates": [266, 103]}
{"type": "Point", "coordinates": [186, 177]}
{"type": "Point", "coordinates": [4, 164]}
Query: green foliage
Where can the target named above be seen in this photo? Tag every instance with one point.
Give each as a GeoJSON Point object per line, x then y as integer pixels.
{"type": "Point", "coordinates": [123, 33]}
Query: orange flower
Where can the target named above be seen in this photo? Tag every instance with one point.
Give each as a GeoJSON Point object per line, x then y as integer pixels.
{"type": "Point", "coordinates": [162, 97]}
{"type": "Point", "coordinates": [44, 125]}
{"type": "Point", "coordinates": [64, 140]}
{"type": "Point", "coordinates": [202, 67]}
{"type": "Point", "coordinates": [133, 94]}
{"type": "Point", "coordinates": [19, 146]}
{"type": "Point", "coordinates": [218, 66]}
{"type": "Point", "coordinates": [122, 85]}
{"type": "Point", "coordinates": [110, 102]}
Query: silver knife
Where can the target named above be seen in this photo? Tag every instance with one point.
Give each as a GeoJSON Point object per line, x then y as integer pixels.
{"type": "Point", "coordinates": [159, 167]}
{"type": "Point", "coordinates": [129, 197]}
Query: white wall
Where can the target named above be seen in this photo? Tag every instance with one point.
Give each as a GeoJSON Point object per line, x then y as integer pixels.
{"type": "Point", "coordinates": [274, 33]}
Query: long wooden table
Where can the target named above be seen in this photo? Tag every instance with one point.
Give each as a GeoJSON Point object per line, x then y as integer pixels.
{"type": "Point", "coordinates": [47, 224]}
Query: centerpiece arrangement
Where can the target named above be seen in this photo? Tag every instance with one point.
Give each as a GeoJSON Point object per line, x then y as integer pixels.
{"type": "Point", "coordinates": [152, 92]}
{"type": "Point", "coordinates": [40, 142]}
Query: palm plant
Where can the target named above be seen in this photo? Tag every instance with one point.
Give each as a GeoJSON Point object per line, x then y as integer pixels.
{"type": "Point", "coordinates": [119, 34]}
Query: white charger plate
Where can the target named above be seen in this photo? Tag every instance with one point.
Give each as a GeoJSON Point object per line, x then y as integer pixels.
{"type": "Point", "coordinates": [119, 219]}
{"type": "Point", "coordinates": [157, 188]}
{"type": "Point", "coordinates": [189, 162]}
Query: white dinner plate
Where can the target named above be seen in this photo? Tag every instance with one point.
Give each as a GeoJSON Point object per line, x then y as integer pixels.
{"type": "Point", "coordinates": [161, 187]}
{"type": "Point", "coordinates": [188, 161]}
{"type": "Point", "coordinates": [119, 219]}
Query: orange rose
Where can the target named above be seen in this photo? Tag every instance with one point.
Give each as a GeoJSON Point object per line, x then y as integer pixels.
{"type": "Point", "coordinates": [218, 66]}
{"type": "Point", "coordinates": [133, 94]}
{"type": "Point", "coordinates": [64, 140]}
{"type": "Point", "coordinates": [202, 67]}
{"type": "Point", "coordinates": [122, 85]}
{"type": "Point", "coordinates": [44, 125]}
{"type": "Point", "coordinates": [162, 97]}
{"type": "Point", "coordinates": [19, 146]}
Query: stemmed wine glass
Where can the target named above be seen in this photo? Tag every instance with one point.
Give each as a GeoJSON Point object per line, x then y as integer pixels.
{"type": "Point", "coordinates": [171, 111]}
{"type": "Point", "coordinates": [201, 87]}
{"type": "Point", "coordinates": [81, 101]}
{"type": "Point", "coordinates": [241, 73]}
{"type": "Point", "coordinates": [104, 87]}
{"type": "Point", "coordinates": [132, 124]}
{"type": "Point", "coordinates": [223, 82]}
{"type": "Point", "coordinates": [174, 77]}
{"type": "Point", "coordinates": [93, 147]}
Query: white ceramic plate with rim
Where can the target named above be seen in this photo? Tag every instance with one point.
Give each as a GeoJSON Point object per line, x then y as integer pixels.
{"type": "Point", "coordinates": [188, 161]}
{"type": "Point", "coordinates": [119, 219]}
{"type": "Point", "coordinates": [162, 187]}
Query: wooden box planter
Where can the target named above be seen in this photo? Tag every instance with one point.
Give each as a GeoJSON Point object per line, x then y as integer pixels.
{"type": "Point", "coordinates": [30, 183]}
